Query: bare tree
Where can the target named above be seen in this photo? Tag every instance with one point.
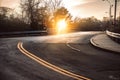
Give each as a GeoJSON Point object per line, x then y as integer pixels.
{"type": "Point", "coordinates": [53, 5]}
{"type": "Point", "coordinates": [30, 10]}
{"type": "Point", "coordinates": [51, 8]}
{"type": "Point", "coordinates": [37, 12]}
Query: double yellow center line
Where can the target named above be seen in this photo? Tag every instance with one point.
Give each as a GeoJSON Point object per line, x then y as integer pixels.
{"type": "Point", "coordinates": [49, 65]}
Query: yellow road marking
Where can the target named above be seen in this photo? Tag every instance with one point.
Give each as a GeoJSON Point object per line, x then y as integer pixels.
{"type": "Point", "coordinates": [49, 65]}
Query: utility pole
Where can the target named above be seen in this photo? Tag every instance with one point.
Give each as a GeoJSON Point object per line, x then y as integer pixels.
{"type": "Point", "coordinates": [115, 11]}
{"type": "Point", "coordinates": [119, 16]}
{"type": "Point", "coordinates": [110, 10]}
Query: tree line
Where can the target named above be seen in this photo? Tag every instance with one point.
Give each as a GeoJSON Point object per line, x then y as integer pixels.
{"type": "Point", "coordinates": [42, 14]}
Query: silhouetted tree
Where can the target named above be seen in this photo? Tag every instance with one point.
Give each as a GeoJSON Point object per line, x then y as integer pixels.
{"type": "Point", "coordinates": [87, 24]}
{"type": "Point", "coordinates": [60, 13]}
{"type": "Point", "coordinates": [30, 10]}
{"type": "Point", "coordinates": [51, 7]}
{"type": "Point", "coordinates": [8, 21]}
{"type": "Point", "coordinates": [5, 12]}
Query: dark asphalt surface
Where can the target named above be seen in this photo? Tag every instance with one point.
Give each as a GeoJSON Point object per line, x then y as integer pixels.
{"type": "Point", "coordinates": [89, 62]}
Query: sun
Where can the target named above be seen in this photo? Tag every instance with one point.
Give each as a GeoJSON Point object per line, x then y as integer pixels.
{"type": "Point", "coordinates": [61, 26]}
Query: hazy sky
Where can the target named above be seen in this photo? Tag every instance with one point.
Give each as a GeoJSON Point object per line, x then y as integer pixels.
{"type": "Point", "coordinates": [81, 8]}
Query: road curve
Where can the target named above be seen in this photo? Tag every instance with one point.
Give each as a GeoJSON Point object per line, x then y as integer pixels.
{"type": "Point", "coordinates": [49, 65]}
{"type": "Point", "coordinates": [71, 52]}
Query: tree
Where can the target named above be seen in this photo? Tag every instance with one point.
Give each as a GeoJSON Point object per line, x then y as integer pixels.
{"type": "Point", "coordinates": [59, 14]}
{"type": "Point", "coordinates": [5, 12]}
{"type": "Point", "coordinates": [39, 12]}
{"type": "Point", "coordinates": [30, 10]}
{"type": "Point", "coordinates": [9, 22]}
{"type": "Point", "coordinates": [52, 5]}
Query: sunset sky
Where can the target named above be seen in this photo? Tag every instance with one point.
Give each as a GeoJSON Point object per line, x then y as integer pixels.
{"type": "Point", "coordinates": [80, 8]}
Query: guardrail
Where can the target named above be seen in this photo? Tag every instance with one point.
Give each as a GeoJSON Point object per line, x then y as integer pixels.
{"type": "Point", "coordinates": [23, 33]}
{"type": "Point", "coordinates": [114, 36]}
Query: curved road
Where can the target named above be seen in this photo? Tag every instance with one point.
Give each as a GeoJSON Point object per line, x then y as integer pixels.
{"type": "Point", "coordinates": [71, 54]}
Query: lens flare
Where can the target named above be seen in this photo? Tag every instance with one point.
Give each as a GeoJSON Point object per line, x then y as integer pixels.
{"type": "Point", "coordinates": [61, 26]}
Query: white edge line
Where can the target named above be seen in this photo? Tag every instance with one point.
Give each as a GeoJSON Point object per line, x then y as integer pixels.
{"type": "Point", "coordinates": [67, 43]}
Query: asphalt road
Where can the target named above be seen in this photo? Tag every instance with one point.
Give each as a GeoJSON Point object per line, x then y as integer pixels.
{"type": "Point", "coordinates": [70, 52]}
